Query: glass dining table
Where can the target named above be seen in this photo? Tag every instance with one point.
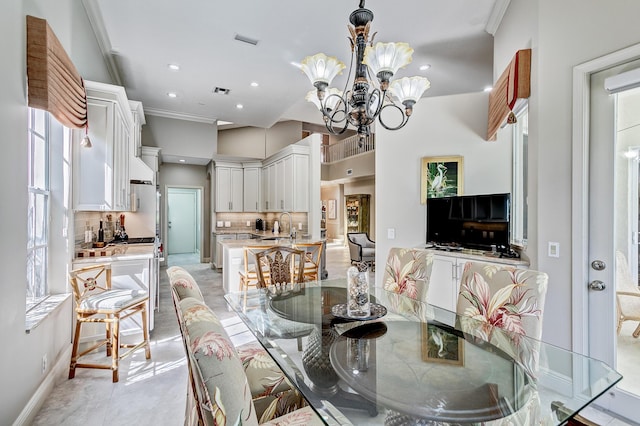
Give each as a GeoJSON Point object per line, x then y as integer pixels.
{"type": "Point", "coordinates": [409, 362]}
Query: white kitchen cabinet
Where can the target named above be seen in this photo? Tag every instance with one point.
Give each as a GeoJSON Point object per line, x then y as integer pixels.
{"type": "Point", "coordinates": [218, 254]}
{"type": "Point", "coordinates": [252, 187]}
{"type": "Point", "coordinates": [287, 183]}
{"type": "Point", "coordinates": [229, 187]}
{"type": "Point", "coordinates": [446, 273]}
{"type": "Point", "coordinates": [101, 173]}
{"type": "Point", "coordinates": [134, 274]}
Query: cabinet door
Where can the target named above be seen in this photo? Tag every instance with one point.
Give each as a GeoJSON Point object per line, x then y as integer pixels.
{"type": "Point", "coordinates": [251, 202]}
{"type": "Point", "coordinates": [266, 188]}
{"type": "Point", "coordinates": [93, 168]}
{"type": "Point", "coordinates": [134, 275]}
{"type": "Point", "coordinates": [237, 189]}
{"type": "Point", "coordinates": [287, 183]}
{"type": "Point", "coordinates": [442, 283]}
{"type": "Point", "coordinates": [121, 140]}
{"type": "Point", "coordinates": [300, 188]}
{"type": "Point", "coordinates": [223, 189]}
{"type": "Point", "coordinates": [274, 200]}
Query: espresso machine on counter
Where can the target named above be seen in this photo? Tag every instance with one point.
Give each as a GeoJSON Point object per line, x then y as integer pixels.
{"type": "Point", "coordinates": [259, 225]}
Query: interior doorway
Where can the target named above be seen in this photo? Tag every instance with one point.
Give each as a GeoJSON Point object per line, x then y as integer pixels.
{"type": "Point", "coordinates": [184, 221]}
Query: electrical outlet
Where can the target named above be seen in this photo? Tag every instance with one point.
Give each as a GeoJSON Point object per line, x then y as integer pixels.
{"type": "Point", "coordinates": [227, 224]}
{"type": "Point", "coordinates": [248, 223]}
{"type": "Point", "coordinates": [44, 363]}
{"type": "Point", "coordinates": [219, 224]}
{"type": "Point", "coordinates": [300, 226]}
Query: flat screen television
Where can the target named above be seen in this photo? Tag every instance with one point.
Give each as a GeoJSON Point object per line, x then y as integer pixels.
{"type": "Point", "coordinates": [469, 221]}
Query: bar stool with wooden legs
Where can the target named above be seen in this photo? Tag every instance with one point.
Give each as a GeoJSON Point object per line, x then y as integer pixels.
{"type": "Point", "coordinates": [97, 302]}
{"type": "Point", "coordinates": [312, 259]}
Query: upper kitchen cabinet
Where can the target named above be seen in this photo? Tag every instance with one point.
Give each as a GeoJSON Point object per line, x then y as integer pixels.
{"type": "Point", "coordinates": [252, 186]}
{"type": "Point", "coordinates": [229, 187]}
{"type": "Point", "coordinates": [139, 171]}
{"type": "Point", "coordinates": [288, 174]}
{"type": "Point", "coordinates": [101, 172]}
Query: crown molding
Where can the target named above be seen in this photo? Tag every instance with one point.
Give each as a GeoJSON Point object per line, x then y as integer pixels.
{"type": "Point", "coordinates": [179, 116]}
{"type": "Point", "coordinates": [97, 25]}
{"type": "Point", "coordinates": [497, 13]}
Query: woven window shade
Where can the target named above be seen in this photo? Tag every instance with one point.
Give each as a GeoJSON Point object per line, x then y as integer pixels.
{"type": "Point", "coordinates": [513, 84]}
{"type": "Point", "coordinates": [53, 81]}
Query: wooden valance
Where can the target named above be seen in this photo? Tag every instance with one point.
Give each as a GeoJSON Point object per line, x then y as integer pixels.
{"type": "Point", "coordinates": [513, 84]}
{"type": "Point", "coordinates": [53, 81]}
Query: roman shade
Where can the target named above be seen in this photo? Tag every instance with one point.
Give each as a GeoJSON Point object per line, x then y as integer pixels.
{"type": "Point", "coordinates": [54, 84]}
{"type": "Point", "coordinates": [513, 84]}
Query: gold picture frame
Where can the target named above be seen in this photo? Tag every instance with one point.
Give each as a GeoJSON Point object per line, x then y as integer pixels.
{"type": "Point", "coordinates": [441, 346]}
{"type": "Point", "coordinates": [441, 177]}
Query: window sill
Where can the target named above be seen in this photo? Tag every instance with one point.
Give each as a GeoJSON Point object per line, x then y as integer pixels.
{"type": "Point", "coordinates": [37, 315]}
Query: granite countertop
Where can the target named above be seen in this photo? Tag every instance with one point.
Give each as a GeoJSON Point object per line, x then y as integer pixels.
{"type": "Point", "coordinates": [284, 241]}
{"type": "Point", "coordinates": [120, 252]}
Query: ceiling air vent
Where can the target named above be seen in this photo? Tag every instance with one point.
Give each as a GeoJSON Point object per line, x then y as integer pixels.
{"type": "Point", "coordinates": [246, 39]}
{"type": "Point", "coordinates": [221, 91]}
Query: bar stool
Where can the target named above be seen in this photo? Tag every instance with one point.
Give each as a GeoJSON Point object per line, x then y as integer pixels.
{"type": "Point", "coordinates": [96, 302]}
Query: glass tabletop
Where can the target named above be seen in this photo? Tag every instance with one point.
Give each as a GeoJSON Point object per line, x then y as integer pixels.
{"type": "Point", "coordinates": [414, 361]}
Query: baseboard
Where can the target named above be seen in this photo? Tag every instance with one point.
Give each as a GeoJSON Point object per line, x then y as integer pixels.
{"type": "Point", "coordinates": [59, 372]}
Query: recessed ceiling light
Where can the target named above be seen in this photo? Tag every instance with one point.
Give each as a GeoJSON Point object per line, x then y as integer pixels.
{"type": "Point", "coordinates": [425, 67]}
{"type": "Point", "coordinates": [174, 67]}
{"type": "Point", "coordinates": [488, 89]}
{"type": "Point", "coordinates": [172, 95]}
{"type": "Point", "coordinates": [182, 160]}
{"type": "Point", "coordinates": [254, 84]}
{"type": "Point", "coordinates": [239, 106]}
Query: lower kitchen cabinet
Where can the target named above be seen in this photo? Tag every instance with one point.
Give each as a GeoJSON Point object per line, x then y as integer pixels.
{"type": "Point", "coordinates": [446, 273]}
{"type": "Point", "coordinates": [216, 255]}
{"type": "Point", "coordinates": [135, 274]}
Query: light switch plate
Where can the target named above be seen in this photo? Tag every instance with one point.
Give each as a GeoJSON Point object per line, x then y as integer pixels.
{"type": "Point", "coordinates": [227, 224]}
{"type": "Point", "coordinates": [391, 233]}
{"type": "Point", "coordinates": [219, 224]}
{"type": "Point", "coordinates": [554, 249]}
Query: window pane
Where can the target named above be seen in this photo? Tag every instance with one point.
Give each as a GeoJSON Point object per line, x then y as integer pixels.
{"type": "Point", "coordinates": [40, 219]}
{"type": "Point", "coordinates": [39, 121]}
{"type": "Point", "coordinates": [30, 217]}
{"type": "Point", "coordinates": [39, 164]}
{"type": "Point", "coordinates": [30, 282]}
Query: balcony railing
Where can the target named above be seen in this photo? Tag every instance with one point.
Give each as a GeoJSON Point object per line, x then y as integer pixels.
{"type": "Point", "coordinates": [346, 148]}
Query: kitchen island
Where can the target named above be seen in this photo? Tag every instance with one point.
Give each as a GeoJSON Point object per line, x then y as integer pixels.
{"type": "Point", "coordinates": [233, 256]}
{"type": "Point", "coordinates": [133, 266]}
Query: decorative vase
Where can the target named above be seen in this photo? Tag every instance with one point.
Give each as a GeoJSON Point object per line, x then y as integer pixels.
{"type": "Point", "coordinates": [358, 291]}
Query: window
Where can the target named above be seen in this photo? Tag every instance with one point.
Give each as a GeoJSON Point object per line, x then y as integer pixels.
{"type": "Point", "coordinates": [519, 210]}
{"type": "Point", "coordinates": [38, 209]}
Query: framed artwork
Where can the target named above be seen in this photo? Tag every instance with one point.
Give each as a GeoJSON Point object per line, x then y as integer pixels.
{"type": "Point", "coordinates": [439, 345]}
{"type": "Point", "coordinates": [441, 177]}
{"type": "Point", "coordinates": [331, 209]}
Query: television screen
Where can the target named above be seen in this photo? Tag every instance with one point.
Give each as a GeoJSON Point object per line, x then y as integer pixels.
{"type": "Point", "coordinates": [471, 221]}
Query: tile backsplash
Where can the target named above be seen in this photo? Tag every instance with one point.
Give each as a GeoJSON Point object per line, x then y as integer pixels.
{"type": "Point", "coordinates": [238, 221]}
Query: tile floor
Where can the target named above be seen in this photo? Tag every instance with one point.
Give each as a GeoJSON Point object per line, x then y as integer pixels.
{"type": "Point", "coordinates": [153, 392]}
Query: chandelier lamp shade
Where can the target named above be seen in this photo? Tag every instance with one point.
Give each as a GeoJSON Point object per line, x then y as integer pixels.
{"type": "Point", "coordinates": [372, 91]}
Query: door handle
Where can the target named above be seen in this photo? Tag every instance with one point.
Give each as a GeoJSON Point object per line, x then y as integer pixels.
{"type": "Point", "coordinates": [598, 265]}
{"type": "Point", "coordinates": [597, 285]}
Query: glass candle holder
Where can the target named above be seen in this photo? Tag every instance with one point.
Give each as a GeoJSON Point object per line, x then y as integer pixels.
{"type": "Point", "coordinates": [358, 291]}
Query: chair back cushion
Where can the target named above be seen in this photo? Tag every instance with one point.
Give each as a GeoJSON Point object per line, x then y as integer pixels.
{"type": "Point", "coordinates": [219, 375]}
{"type": "Point", "coordinates": [503, 296]}
{"type": "Point", "coordinates": [407, 272]}
{"type": "Point", "coordinates": [183, 284]}
{"type": "Point", "coordinates": [358, 238]}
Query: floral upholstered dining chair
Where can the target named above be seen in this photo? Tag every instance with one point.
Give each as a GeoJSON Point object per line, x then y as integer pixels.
{"type": "Point", "coordinates": [407, 274]}
{"type": "Point", "coordinates": [503, 296]}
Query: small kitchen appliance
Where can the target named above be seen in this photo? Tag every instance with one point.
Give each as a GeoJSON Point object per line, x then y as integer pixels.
{"type": "Point", "coordinates": [259, 225]}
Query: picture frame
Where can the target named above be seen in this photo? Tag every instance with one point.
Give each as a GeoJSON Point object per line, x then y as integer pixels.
{"type": "Point", "coordinates": [331, 209]}
{"type": "Point", "coordinates": [441, 177]}
{"type": "Point", "coordinates": [440, 346]}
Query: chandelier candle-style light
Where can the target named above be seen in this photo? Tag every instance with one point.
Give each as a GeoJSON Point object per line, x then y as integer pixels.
{"type": "Point", "coordinates": [365, 102]}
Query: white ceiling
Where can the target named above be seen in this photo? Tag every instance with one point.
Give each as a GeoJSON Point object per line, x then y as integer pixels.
{"type": "Point", "coordinates": [140, 38]}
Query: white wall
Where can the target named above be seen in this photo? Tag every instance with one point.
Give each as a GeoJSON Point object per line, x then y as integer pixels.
{"type": "Point", "coordinates": [451, 125]}
{"type": "Point", "coordinates": [180, 137]}
{"type": "Point", "coordinates": [20, 362]}
{"type": "Point", "coordinates": [566, 34]}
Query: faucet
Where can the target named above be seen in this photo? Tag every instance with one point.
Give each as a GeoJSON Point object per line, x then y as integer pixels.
{"type": "Point", "coordinates": [292, 230]}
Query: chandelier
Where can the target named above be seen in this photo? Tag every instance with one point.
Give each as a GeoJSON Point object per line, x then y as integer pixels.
{"type": "Point", "coordinates": [368, 97]}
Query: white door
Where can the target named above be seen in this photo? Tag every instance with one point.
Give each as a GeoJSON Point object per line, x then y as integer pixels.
{"type": "Point", "coordinates": [612, 227]}
{"type": "Point", "coordinates": [182, 220]}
